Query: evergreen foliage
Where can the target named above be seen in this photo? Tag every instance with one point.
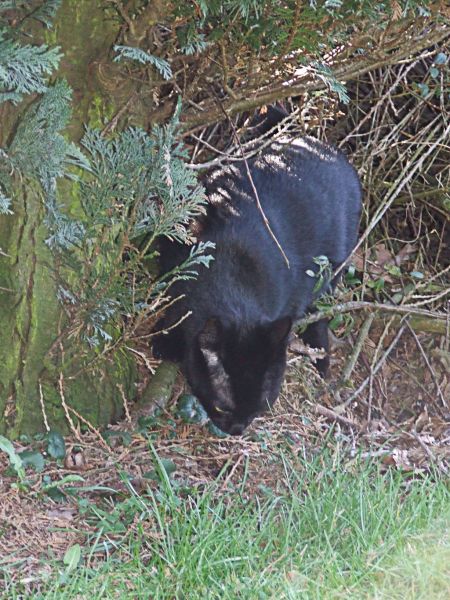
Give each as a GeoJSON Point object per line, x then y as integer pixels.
{"type": "Point", "coordinates": [135, 188]}
{"type": "Point", "coordinates": [249, 53]}
{"type": "Point", "coordinates": [24, 68]}
{"type": "Point", "coordinates": [266, 25]}
{"type": "Point", "coordinates": [41, 10]}
{"type": "Point", "coordinates": [5, 204]}
{"type": "Point", "coordinates": [326, 74]}
{"type": "Point", "coordinates": [129, 190]}
{"type": "Point", "coordinates": [38, 148]}
{"type": "Point", "coordinates": [130, 53]}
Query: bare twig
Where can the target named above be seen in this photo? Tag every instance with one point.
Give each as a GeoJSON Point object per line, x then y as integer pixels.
{"type": "Point", "coordinates": [337, 309]}
{"type": "Point", "coordinates": [363, 333]}
{"type": "Point", "coordinates": [67, 408]}
{"type": "Point", "coordinates": [430, 368]}
{"type": "Point", "coordinates": [255, 191]}
{"type": "Point", "coordinates": [333, 415]}
{"type": "Point", "coordinates": [44, 414]}
{"type": "Point", "coordinates": [374, 371]}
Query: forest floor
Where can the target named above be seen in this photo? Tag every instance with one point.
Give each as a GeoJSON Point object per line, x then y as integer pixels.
{"type": "Point", "coordinates": [341, 491]}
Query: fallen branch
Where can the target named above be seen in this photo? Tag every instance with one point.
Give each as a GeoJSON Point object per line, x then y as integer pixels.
{"type": "Point", "coordinates": [345, 307]}
{"type": "Point", "coordinates": [330, 414]}
{"type": "Point", "coordinates": [396, 50]}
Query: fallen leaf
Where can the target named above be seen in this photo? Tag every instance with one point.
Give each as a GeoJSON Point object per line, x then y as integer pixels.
{"type": "Point", "coordinates": [64, 514]}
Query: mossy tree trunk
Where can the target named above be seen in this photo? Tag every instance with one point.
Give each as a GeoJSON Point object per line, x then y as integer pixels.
{"type": "Point", "coordinates": [30, 319]}
{"type": "Point", "coordinates": [34, 378]}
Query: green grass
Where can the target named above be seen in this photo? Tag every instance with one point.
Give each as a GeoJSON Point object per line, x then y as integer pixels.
{"type": "Point", "coordinates": [421, 569]}
{"type": "Point", "coordinates": [334, 532]}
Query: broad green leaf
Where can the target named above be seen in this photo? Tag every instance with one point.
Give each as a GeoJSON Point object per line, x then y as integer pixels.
{"type": "Point", "coordinates": [216, 431]}
{"type": "Point", "coordinates": [56, 445]}
{"type": "Point", "coordinates": [190, 409]}
{"type": "Point", "coordinates": [434, 72]}
{"type": "Point", "coordinates": [72, 557]}
{"type": "Point", "coordinates": [14, 458]}
{"type": "Point", "coordinates": [168, 465]}
{"type": "Point", "coordinates": [32, 459]}
{"type": "Point", "coordinates": [336, 322]}
{"type": "Point", "coordinates": [417, 274]}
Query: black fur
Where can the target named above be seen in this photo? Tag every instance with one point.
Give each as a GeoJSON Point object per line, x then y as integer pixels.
{"type": "Point", "coordinates": [232, 349]}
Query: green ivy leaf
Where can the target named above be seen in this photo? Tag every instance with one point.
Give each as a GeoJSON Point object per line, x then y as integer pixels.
{"type": "Point", "coordinates": [166, 464]}
{"type": "Point", "coordinates": [216, 431]}
{"type": "Point", "coordinates": [336, 322]}
{"type": "Point", "coordinates": [190, 409]}
{"type": "Point", "coordinates": [56, 445]}
{"type": "Point", "coordinates": [424, 89]}
{"type": "Point", "coordinates": [434, 72]}
{"type": "Point", "coordinates": [32, 459]}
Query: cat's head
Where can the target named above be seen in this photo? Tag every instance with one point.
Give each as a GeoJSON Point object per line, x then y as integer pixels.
{"type": "Point", "coordinates": [236, 373]}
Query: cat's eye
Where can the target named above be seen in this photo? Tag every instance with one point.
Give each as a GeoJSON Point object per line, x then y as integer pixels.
{"type": "Point", "coordinates": [222, 411]}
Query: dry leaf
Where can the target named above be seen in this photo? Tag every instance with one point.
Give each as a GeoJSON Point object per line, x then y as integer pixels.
{"type": "Point", "coordinates": [64, 514]}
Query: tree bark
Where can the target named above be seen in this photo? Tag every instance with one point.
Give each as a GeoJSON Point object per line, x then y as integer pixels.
{"type": "Point", "coordinates": [36, 385]}
{"type": "Point", "coordinates": [30, 318]}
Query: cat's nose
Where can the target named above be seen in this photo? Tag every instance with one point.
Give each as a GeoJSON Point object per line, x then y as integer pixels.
{"type": "Point", "coordinates": [237, 428]}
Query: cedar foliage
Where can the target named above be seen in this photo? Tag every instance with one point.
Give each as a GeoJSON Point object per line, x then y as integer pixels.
{"type": "Point", "coordinates": [219, 57]}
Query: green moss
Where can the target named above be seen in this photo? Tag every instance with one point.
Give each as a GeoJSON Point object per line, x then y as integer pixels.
{"type": "Point", "coordinates": [100, 111]}
{"type": "Point", "coordinates": [30, 313]}
{"type": "Point", "coordinates": [30, 324]}
{"type": "Point", "coordinates": [85, 36]}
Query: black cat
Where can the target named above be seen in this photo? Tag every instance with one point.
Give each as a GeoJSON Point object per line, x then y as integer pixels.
{"type": "Point", "coordinates": [232, 349]}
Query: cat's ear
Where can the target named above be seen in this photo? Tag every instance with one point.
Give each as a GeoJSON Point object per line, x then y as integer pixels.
{"type": "Point", "coordinates": [210, 337]}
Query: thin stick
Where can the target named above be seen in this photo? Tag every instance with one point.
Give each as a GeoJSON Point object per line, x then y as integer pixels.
{"type": "Point", "coordinates": [92, 428]}
{"type": "Point", "coordinates": [337, 309]}
{"type": "Point", "coordinates": [255, 191]}
{"type": "Point", "coordinates": [67, 408]}
{"type": "Point", "coordinates": [125, 402]}
{"type": "Point", "coordinates": [414, 164]}
{"type": "Point", "coordinates": [374, 371]}
{"type": "Point", "coordinates": [232, 471]}
{"type": "Point", "coordinates": [363, 333]}
{"type": "Point", "coordinates": [430, 368]}
{"type": "Point", "coordinates": [41, 400]}
{"type": "Point", "coordinates": [331, 414]}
